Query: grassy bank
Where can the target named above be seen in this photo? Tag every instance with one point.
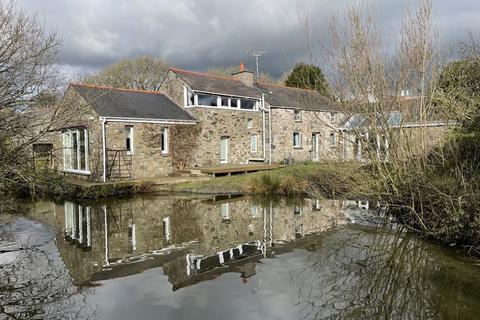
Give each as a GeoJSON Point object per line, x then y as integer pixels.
{"type": "Point", "coordinates": [325, 180]}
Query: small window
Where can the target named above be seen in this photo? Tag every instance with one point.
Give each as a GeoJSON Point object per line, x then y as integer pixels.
{"type": "Point", "coordinates": [253, 143]}
{"type": "Point", "coordinates": [225, 211]}
{"type": "Point", "coordinates": [189, 97]}
{"type": "Point", "coordinates": [254, 211]}
{"type": "Point", "coordinates": [333, 116]}
{"type": "Point", "coordinates": [316, 205]}
{"type": "Point", "coordinates": [166, 229]}
{"type": "Point", "coordinates": [297, 115]}
{"type": "Point", "coordinates": [333, 139]}
{"type": "Point", "coordinates": [297, 209]}
{"type": "Point", "coordinates": [129, 139]}
{"type": "Point", "coordinates": [234, 103]}
{"type": "Point", "coordinates": [249, 123]}
{"type": "Point", "coordinates": [164, 141]}
{"type": "Point", "coordinates": [297, 140]}
{"type": "Point", "coordinates": [224, 101]}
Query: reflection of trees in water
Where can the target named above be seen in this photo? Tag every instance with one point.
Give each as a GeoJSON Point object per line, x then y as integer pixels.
{"type": "Point", "coordinates": [358, 275]}
{"type": "Point", "coordinates": [35, 286]}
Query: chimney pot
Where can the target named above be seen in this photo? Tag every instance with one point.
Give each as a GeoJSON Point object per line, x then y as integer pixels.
{"type": "Point", "coordinates": [242, 66]}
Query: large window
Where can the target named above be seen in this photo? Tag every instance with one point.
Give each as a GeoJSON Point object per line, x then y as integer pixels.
{"type": "Point", "coordinates": [211, 100]}
{"type": "Point", "coordinates": [75, 150]}
{"type": "Point", "coordinates": [129, 139]}
{"type": "Point", "coordinates": [164, 141]}
{"type": "Point", "coordinates": [297, 140]}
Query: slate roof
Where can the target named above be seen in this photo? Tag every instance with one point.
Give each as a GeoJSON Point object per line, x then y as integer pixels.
{"type": "Point", "coordinates": [221, 85]}
{"type": "Point", "coordinates": [126, 103]}
{"type": "Point", "coordinates": [278, 96]}
{"type": "Point", "coordinates": [281, 96]}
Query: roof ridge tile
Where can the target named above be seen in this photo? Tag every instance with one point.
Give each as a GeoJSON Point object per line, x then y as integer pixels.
{"type": "Point", "coordinates": [95, 86]}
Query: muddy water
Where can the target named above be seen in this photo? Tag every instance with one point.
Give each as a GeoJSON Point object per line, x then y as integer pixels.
{"type": "Point", "coordinates": [217, 257]}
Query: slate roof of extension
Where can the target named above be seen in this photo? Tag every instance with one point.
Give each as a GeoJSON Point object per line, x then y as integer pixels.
{"type": "Point", "coordinates": [134, 104]}
{"type": "Point", "coordinates": [275, 95]}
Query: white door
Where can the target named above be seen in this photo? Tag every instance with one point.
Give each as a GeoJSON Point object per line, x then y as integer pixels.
{"type": "Point", "coordinates": [224, 150]}
{"type": "Point", "coordinates": [315, 147]}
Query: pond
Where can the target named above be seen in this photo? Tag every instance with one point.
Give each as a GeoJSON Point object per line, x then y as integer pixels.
{"type": "Point", "coordinates": [221, 257]}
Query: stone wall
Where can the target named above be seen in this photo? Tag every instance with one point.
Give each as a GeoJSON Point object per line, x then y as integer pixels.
{"type": "Point", "coordinates": [284, 125]}
{"type": "Point", "coordinates": [173, 88]}
{"type": "Point", "coordinates": [217, 123]}
{"type": "Point", "coordinates": [75, 112]}
{"type": "Point", "coordinates": [147, 159]}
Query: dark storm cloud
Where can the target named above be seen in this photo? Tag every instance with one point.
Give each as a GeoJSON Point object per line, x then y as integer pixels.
{"type": "Point", "coordinates": [207, 33]}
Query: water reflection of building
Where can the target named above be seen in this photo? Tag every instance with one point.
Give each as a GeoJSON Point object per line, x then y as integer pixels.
{"type": "Point", "coordinates": [192, 239]}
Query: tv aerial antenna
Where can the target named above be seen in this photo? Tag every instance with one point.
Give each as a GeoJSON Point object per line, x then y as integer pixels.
{"type": "Point", "coordinates": [257, 54]}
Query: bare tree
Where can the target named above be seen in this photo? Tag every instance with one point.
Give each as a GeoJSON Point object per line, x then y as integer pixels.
{"type": "Point", "coordinates": [27, 84]}
{"type": "Point", "coordinates": [143, 73]}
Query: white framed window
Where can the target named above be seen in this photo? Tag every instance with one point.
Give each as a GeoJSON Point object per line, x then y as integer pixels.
{"type": "Point", "coordinates": [224, 150]}
{"type": "Point", "coordinates": [253, 143]}
{"type": "Point", "coordinates": [129, 139]}
{"type": "Point", "coordinates": [297, 209]}
{"type": "Point", "coordinates": [333, 117]}
{"type": "Point", "coordinates": [225, 209]}
{"type": "Point", "coordinates": [166, 228]}
{"type": "Point", "coordinates": [189, 97]}
{"type": "Point", "coordinates": [297, 115]}
{"type": "Point", "coordinates": [316, 205]}
{"type": "Point", "coordinates": [164, 141]}
{"type": "Point", "coordinates": [249, 123]}
{"type": "Point", "coordinates": [254, 211]}
{"type": "Point", "coordinates": [297, 139]}
{"type": "Point", "coordinates": [333, 138]}
{"type": "Point", "coordinates": [76, 151]}
{"type": "Point", "coordinates": [210, 100]}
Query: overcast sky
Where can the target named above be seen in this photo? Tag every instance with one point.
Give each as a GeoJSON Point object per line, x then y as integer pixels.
{"type": "Point", "coordinates": [199, 34]}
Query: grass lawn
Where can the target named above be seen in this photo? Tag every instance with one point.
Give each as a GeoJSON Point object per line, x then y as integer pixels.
{"type": "Point", "coordinates": [327, 178]}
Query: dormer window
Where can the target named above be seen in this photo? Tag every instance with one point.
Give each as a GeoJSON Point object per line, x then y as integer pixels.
{"type": "Point", "coordinates": [211, 100]}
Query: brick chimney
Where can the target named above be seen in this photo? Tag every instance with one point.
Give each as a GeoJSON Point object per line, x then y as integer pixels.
{"type": "Point", "coordinates": [244, 76]}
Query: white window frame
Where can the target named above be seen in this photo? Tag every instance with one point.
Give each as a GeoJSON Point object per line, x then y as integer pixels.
{"type": "Point", "coordinates": [225, 211]}
{"type": "Point", "coordinates": [249, 123]}
{"type": "Point", "coordinates": [299, 140]}
{"type": "Point", "coordinates": [165, 137]}
{"type": "Point", "coordinates": [219, 101]}
{"type": "Point", "coordinates": [68, 152]}
{"type": "Point", "coordinates": [226, 147]}
{"type": "Point", "coordinates": [129, 135]}
{"type": "Point", "coordinates": [253, 143]}
{"type": "Point", "coordinates": [297, 115]}
{"type": "Point", "coordinates": [334, 141]}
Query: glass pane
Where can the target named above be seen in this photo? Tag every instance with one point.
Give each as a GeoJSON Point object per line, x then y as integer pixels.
{"type": "Point", "coordinates": [234, 103]}
{"type": "Point", "coordinates": [224, 101]}
{"type": "Point", "coordinates": [75, 150]}
{"type": "Point", "coordinates": [207, 100]}
{"type": "Point", "coordinates": [82, 150]}
{"type": "Point", "coordinates": [247, 104]}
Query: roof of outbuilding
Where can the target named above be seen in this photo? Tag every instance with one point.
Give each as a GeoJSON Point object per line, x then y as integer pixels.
{"type": "Point", "coordinates": [275, 95]}
{"type": "Point", "coordinates": [128, 103]}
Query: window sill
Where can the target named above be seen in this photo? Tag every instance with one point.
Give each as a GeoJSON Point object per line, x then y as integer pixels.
{"type": "Point", "coordinates": [80, 172]}
{"type": "Point", "coordinates": [164, 154]}
{"type": "Point", "coordinates": [297, 148]}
